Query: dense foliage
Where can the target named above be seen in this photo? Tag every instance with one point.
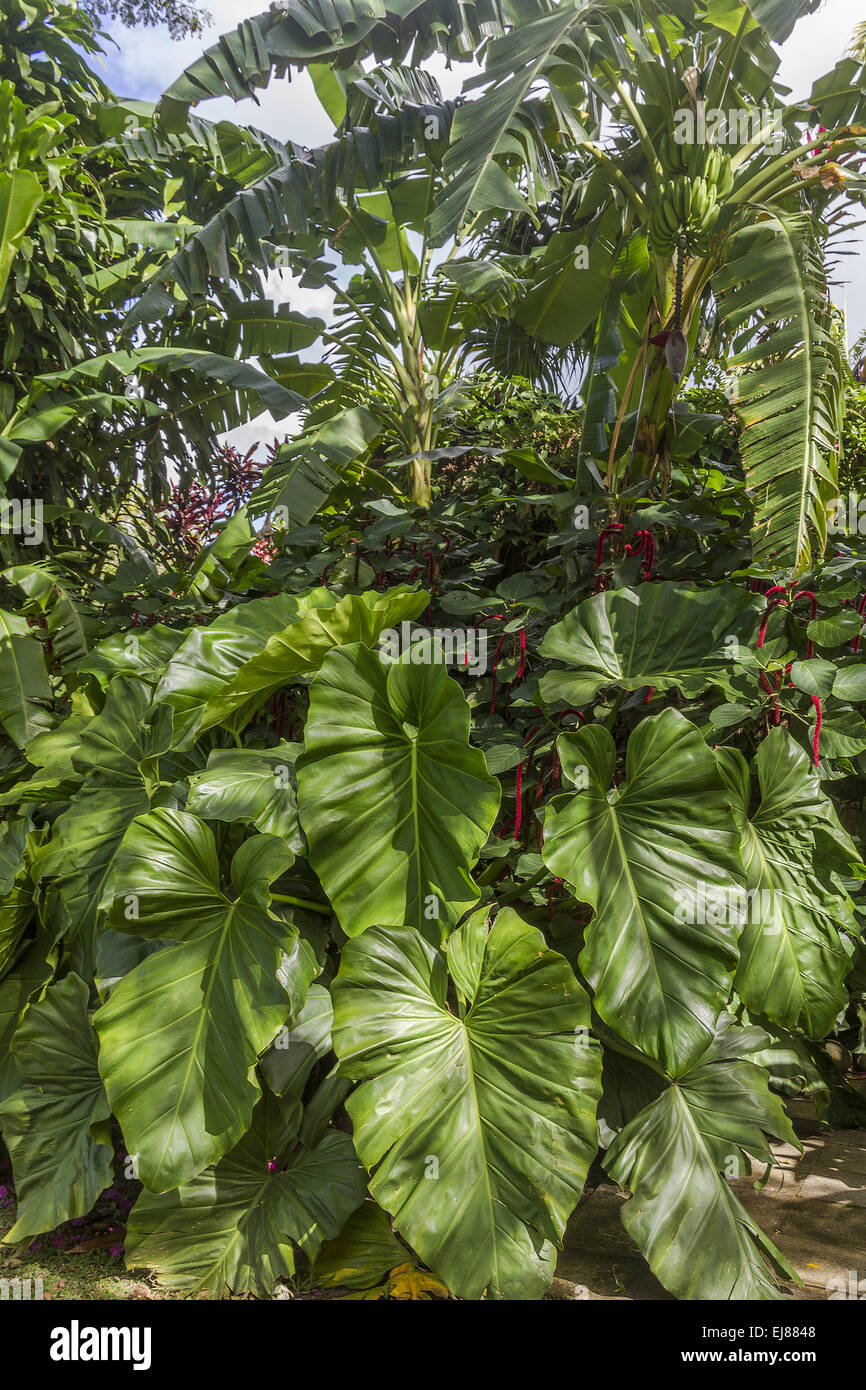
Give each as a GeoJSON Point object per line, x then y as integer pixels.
{"type": "Point", "coordinates": [470, 798]}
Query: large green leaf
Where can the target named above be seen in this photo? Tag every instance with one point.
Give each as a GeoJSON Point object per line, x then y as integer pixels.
{"type": "Point", "coordinates": [778, 17]}
{"type": "Point", "coordinates": [395, 803]}
{"type": "Point", "coordinates": [56, 1125]}
{"type": "Point", "coordinates": [797, 946]}
{"type": "Point", "coordinates": [20, 196]}
{"type": "Point", "coordinates": [363, 1253]}
{"type": "Point", "coordinates": [254, 785]}
{"type": "Point", "coordinates": [209, 657]}
{"type": "Point", "coordinates": [479, 1121]}
{"type": "Point", "coordinates": [773, 303]}
{"type": "Point", "coordinates": [25, 691]}
{"type": "Point", "coordinates": [228, 373]}
{"type": "Point", "coordinates": [646, 856]}
{"type": "Point", "coordinates": [75, 866]}
{"type": "Point", "coordinates": [143, 652]}
{"type": "Point", "coordinates": [66, 626]}
{"type": "Point", "coordinates": [17, 843]}
{"type": "Point", "coordinates": [665, 635]}
{"type": "Point", "coordinates": [232, 1227]}
{"type": "Point", "coordinates": [675, 1157]}
{"type": "Point", "coordinates": [195, 1014]}
{"type": "Point", "coordinates": [307, 468]}
{"type": "Point", "coordinates": [298, 649]}
{"type": "Point", "coordinates": [279, 39]}
{"type": "Point", "coordinates": [495, 124]}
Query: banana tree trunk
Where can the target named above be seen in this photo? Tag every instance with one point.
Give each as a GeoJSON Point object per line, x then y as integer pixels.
{"type": "Point", "coordinates": [659, 388]}
{"type": "Point", "coordinates": [419, 482]}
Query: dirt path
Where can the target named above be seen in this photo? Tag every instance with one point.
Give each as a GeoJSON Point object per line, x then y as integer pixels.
{"type": "Point", "coordinates": [813, 1208]}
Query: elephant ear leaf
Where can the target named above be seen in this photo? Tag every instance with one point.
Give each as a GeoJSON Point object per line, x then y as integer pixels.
{"type": "Point", "coordinates": [798, 938]}
{"type": "Point", "coordinates": [253, 785]}
{"type": "Point", "coordinates": [645, 858]}
{"type": "Point", "coordinates": [298, 650]}
{"type": "Point", "coordinates": [234, 1227]}
{"type": "Point", "coordinates": [25, 690]}
{"type": "Point", "coordinates": [669, 636]}
{"type": "Point", "coordinates": [209, 658]}
{"type": "Point", "coordinates": [675, 1158]}
{"type": "Point", "coordinates": [56, 1124]}
{"type": "Point", "coordinates": [480, 1123]}
{"type": "Point", "coordinates": [220, 999]}
{"type": "Point", "coordinates": [77, 863]}
{"type": "Point", "coordinates": [395, 803]}
{"type": "Point", "coordinates": [18, 843]}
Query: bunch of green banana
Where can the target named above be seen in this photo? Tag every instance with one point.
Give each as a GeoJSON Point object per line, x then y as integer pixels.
{"type": "Point", "coordinates": [683, 205]}
{"type": "Point", "coordinates": [697, 160]}
{"type": "Point", "coordinates": [696, 177]}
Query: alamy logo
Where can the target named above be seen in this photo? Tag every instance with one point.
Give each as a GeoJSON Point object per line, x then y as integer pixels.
{"type": "Point", "coordinates": [22, 518]}
{"type": "Point", "coordinates": [26, 1289]}
{"type": "Point", "coordinates": [744, 125]}
{"type": "Point", "coordinates": [849, 1286]}
{"type": "Point", "coordinates": [847, 515]}
{"type": "Point", "coordinates": [76, 1343]}
{"type": "Point", "coordinates": [709, 905]}
{"type": "Point", "coordinates": [455, 646]}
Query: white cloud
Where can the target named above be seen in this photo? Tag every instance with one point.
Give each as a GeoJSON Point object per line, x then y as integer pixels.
{"type": "Point", "coordinates": [285, 288]}
{"type": "Point", "coordinates": [261, 431]}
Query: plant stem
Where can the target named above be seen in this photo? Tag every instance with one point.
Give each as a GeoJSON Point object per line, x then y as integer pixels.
{"type": "Point", "coordinates": [305, 903]}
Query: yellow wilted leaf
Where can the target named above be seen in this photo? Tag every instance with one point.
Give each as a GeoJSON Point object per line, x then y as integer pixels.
{"type": "Point", "coordinates": [409, 1282]}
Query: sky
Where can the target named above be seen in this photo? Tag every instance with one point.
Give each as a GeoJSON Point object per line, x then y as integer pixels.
{"type": "Point", "coordinates": [147, 61]}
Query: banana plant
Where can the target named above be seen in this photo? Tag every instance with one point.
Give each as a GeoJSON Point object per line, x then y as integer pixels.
{"type": "Point", "coordinates": [710, 173]}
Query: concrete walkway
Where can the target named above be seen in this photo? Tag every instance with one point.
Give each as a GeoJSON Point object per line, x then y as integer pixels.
{"type": "Point", "coordinates": [813, 1208]}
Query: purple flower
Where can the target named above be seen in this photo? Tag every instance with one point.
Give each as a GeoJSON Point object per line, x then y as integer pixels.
{"type": "Point", "coordinates": [59, 1240]}
{"type": "Point", "coordinates": [116, 1251]}
{"type": "Point", "coordinates": [4, 1191]}
{"type": "Point", "coordinates": [34, 1246]}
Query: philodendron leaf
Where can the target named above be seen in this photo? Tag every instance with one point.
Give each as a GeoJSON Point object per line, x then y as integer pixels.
{"type": "Point", "coordinates": [25, 690]}
{"type": "Point", "coordinates": [196, 1014]}
{"type": "Point", "coordinates": [675, 1157]}
{"type": "Point", "coordinates": [648, 857]}
{"type": "Point", "coordinates": [362, 1254]}
{"type": "Point", "coordinates": [669, 636]}
{"type": "Point", "coordinates": [233, 1227]}
{"type": "Point", "coordinates": [797, 946]}
{"type": "Point", "coordinates": [25, 981]}
{"type": "Point", "coordinates": [479, 1124]}
{"type": "Point", "coordinates": [209, 657]}
{"type": "Point", "coordinates": [144, 652]}
{"type": "Point", "coordinates": [299, 648]}
{"type": "Point", "coordinates": [287, 1064]}
{"type": "Point", "coordinates": [255, 785]}
{"type": "Point", "coordinates": [56, 1125]}
{"type": "Point", "coordinates": [76, 865]}
{"type": "Point", "coordinates": [18, 841]}
{"type": "Point", "coordinates": [395, 803]}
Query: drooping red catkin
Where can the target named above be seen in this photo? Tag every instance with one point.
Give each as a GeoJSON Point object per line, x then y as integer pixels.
{"type": "Point", "coordinates": [772, 604]}
{"type": "Point", "coordinates": [518, 792]}
{"type": "Point", "coordinates": [807, 593]}
{"type": "Point", "coordinates": [816, 701]}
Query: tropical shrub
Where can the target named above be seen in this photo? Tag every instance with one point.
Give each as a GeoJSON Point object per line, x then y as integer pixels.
{"type": "Point", "coordinates": [470, 799]}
